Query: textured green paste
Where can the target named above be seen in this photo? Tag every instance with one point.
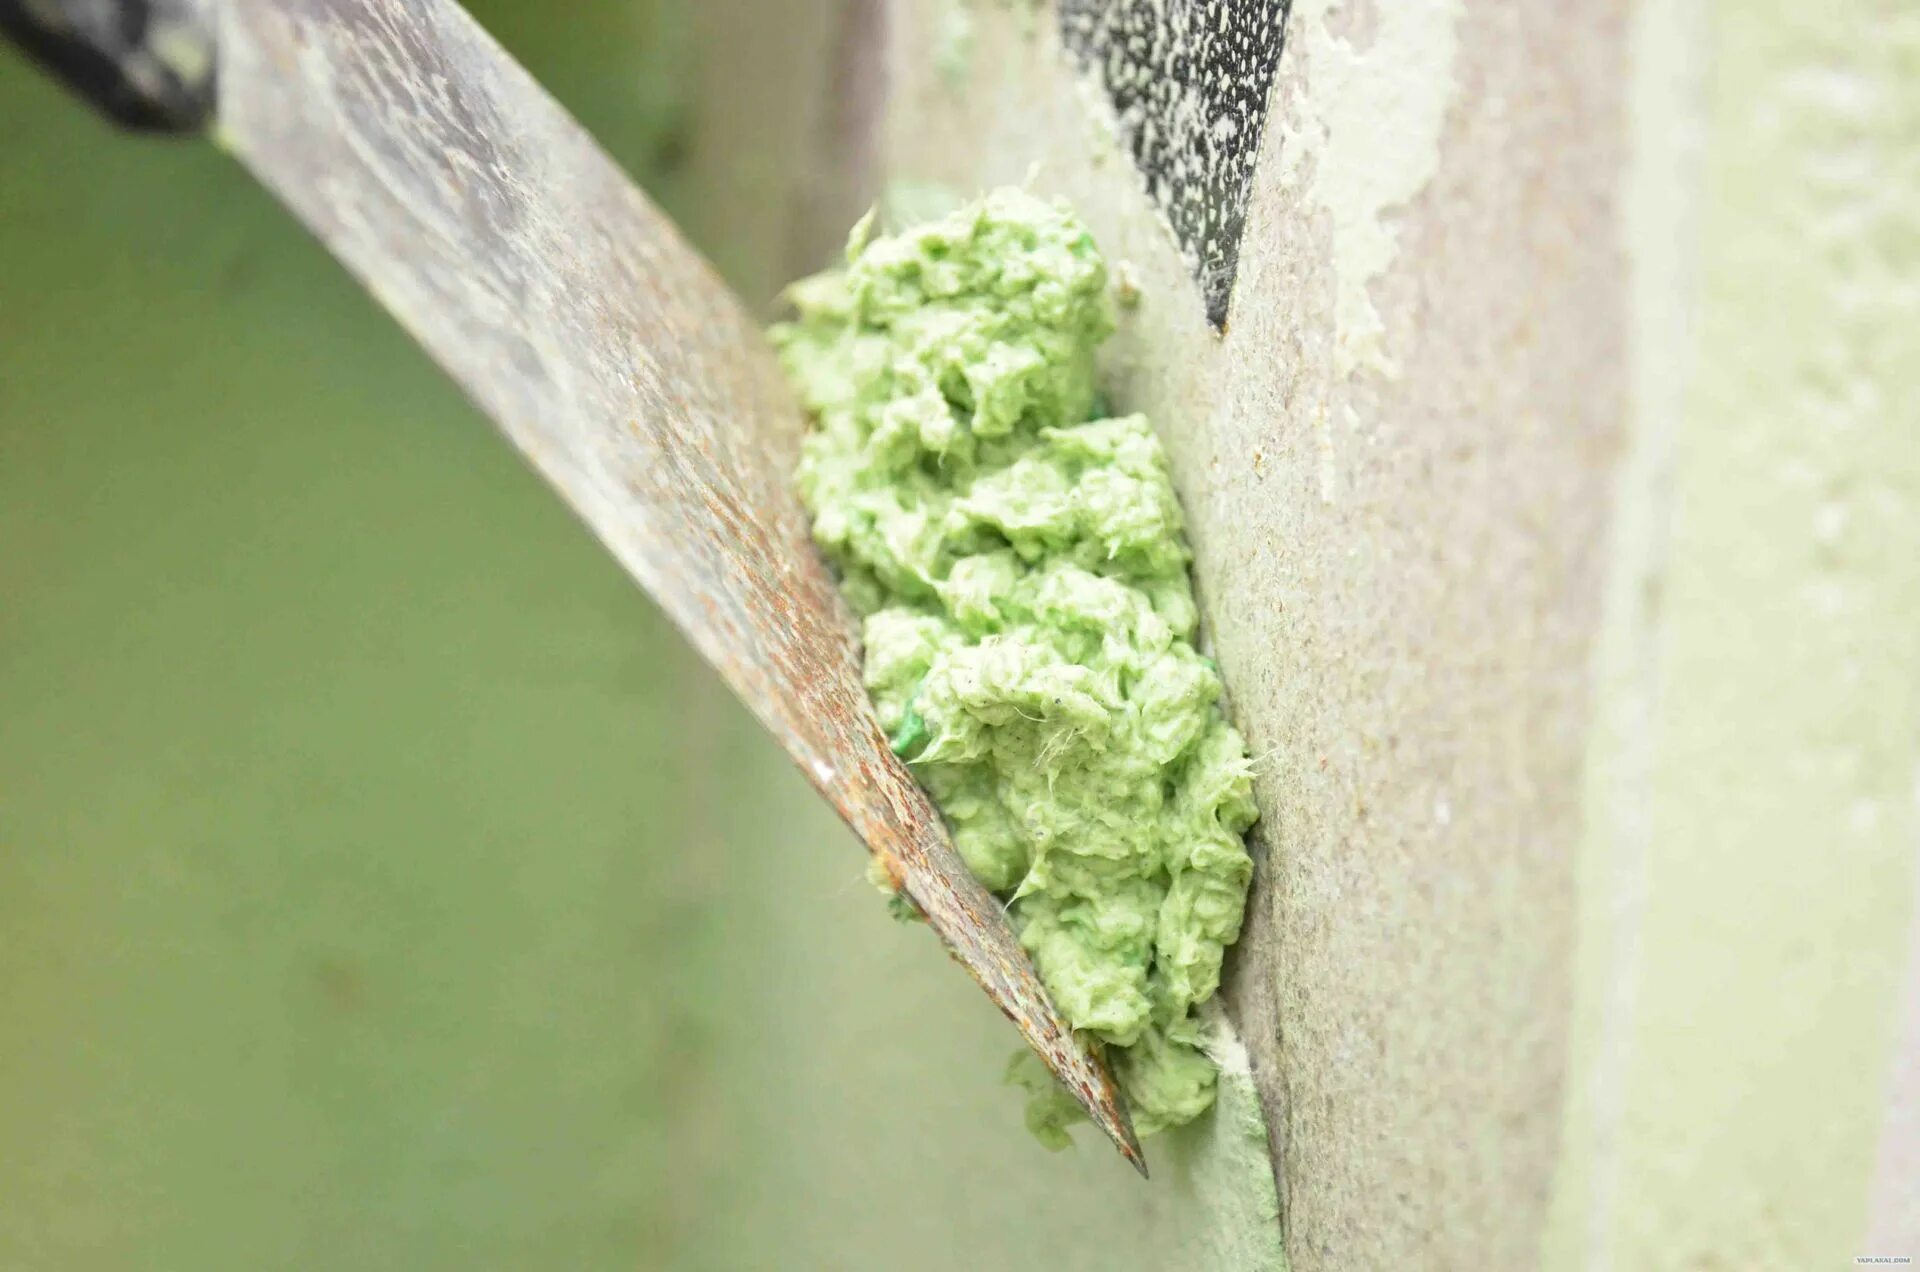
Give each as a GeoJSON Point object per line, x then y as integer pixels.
{"type": "Point", "coordinates": [1022, 572]}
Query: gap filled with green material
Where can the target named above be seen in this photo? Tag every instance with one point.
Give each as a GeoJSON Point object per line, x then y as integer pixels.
{"type": "Point", "coordinates": [383, 883]}
{"type": "Point", "coordinates": [1022, 572]}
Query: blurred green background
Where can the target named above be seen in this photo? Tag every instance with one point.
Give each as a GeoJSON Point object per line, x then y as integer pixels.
{"type": "Point", "coordinates": [382, 884]}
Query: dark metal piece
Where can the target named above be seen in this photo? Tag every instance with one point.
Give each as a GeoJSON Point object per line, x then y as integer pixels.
{"type": "Point", "coordinates": [527, 264]}
{"type": "Point", "coordinates": [1190, 81]}
{"type": "Point", "coordinates": [145, 64]}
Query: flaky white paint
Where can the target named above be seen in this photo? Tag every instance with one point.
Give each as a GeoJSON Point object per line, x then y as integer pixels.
{"type": "Point", "coordinates": [1370, 122]}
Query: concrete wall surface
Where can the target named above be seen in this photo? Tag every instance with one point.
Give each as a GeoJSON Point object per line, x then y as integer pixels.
{"type": "Point", "coordinates": [383, 885]}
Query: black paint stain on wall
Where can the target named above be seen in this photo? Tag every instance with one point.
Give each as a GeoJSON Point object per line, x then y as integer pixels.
{"type": "Point", "coordinates": [1190, 82]}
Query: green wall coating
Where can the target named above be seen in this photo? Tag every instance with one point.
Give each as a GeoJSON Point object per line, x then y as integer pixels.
{"type": "Point", "coordinates": [382, 885]}
{"type": "Point", "coordinates": [1779, 885]}
{"type": "Point", "coordinates": [1750, 874]}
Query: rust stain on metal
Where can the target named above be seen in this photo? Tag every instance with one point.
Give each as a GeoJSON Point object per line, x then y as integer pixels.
{"type": "Point", "coordinates": [488, 222]}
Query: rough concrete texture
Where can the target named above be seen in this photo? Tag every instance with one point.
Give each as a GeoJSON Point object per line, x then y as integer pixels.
{"type": "Point", "coordinates": [1396, 465]}
{"type": "Point", "coordinates": [1554, 488]}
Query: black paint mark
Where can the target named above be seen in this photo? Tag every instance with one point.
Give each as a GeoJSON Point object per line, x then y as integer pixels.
{"type": "Point", "coordinates": [1190, 81]}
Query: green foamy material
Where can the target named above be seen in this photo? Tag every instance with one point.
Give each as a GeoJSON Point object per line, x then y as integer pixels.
{"type": "Point", "coordinates": [1023, 574]}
